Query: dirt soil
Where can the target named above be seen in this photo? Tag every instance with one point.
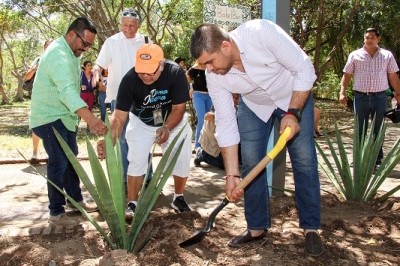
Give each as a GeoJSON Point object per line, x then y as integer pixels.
{"type": "Point", "coordinates": [353, 234]}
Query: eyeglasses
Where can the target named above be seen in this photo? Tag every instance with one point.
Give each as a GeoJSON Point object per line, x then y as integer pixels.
{"type": "Point", "coordinates": [150, 74]}
{"type": "Point", "coordinates": [132, 14]}
{"type": "Point", "coordinates": [85, 44]}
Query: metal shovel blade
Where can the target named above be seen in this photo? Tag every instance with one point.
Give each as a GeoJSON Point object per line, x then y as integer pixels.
{"type": "Point", "coordinates": [200, 234]}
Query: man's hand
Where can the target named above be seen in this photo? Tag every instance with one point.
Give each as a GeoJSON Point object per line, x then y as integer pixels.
{"type": "Point", "coordinates": [97, 126]}
{"type": "Point", "coordinates": [290, 121]}
{"type": "Point", "coordinates": [231, 183]}
{"type": "Point", "coordinates": [101, 154]}
{"type": "Point", "coordinates": [162, 134]}
{"type": "Point", "coordinates": [343, 99]}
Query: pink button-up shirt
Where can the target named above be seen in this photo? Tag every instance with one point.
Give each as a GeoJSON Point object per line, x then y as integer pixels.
{"type": "Point", "coordinates": [370, 73]}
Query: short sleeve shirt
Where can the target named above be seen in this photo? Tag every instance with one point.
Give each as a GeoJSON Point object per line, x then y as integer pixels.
{"type": "Point", "coordinates": [118, 55]}
{"type": "Point", "coordinates": [370, 73]}
{"type": "Point", "coordinates": [56, 89]}
{"type": "Point", "coordinates": [141, 99]}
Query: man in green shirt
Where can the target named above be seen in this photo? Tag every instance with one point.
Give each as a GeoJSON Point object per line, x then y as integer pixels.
{"type": "Point", "coordinates": [56, 102]}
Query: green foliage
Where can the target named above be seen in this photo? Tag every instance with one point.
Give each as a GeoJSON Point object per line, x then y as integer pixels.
{"type": "Point", "coordinates": [329, 87]}
{"type": "Point", "coordinates": [363, 182]}
{"type": "Point", "coordinates": [108, 192]}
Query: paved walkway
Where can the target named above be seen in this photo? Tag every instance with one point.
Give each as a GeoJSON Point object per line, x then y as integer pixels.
{"type": "Point", "coordinates": [23, 198]}
{"type": "Point", "coordinates": [23, 194]}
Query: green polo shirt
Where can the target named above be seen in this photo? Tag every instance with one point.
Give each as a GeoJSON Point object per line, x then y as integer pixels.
{"type": "Point", "coordinates": [56, 89]}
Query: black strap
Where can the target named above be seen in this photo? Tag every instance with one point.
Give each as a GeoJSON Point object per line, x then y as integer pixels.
{"type": "Point", "coordinates": [146, 39]}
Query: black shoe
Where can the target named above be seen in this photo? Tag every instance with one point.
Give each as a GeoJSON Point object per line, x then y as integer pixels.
{"type": "Point", "coordinates": [130, 210]}
{"type": "Point", "coordinates": [244, 238]}
{"type": "Point", "coordinates": [180, 205]}
{"type": "Point", "coordinates": [198, 158]}
{"type": "Point", "coordinates": [314, 246]}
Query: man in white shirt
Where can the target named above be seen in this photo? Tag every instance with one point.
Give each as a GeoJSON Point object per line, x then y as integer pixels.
{"type": "Point", "coordinates": [118, 55]}
{"type": "Point", "coordinates": [273, 76]}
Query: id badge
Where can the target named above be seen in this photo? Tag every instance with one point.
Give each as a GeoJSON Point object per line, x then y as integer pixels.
{"type": "Point", "coordinates": [157, 116]}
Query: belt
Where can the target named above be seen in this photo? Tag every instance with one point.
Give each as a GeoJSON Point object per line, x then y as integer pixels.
{"type": "Point", "coordinates": [370, 93]}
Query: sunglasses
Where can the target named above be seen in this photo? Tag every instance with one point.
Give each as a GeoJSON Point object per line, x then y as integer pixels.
{"type": "Point", "coordinates": [131, 14]}
{"type": "Point", "coordinates": [85, 44]}
{"type": "Point", "coordinates": [150, 74]}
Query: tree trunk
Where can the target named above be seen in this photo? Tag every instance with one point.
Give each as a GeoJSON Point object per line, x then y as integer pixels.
{"type": "Point", "coordinates": [4, 98]}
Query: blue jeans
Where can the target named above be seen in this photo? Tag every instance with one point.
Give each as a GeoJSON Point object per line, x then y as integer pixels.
{"type": "Point", "coordinates": [254, 134]}
{"type": "Point", "coordinates": [366, 106]}
{"type": "Point", "coordinates": [202, 104]}
{"type": "Point", "coordinates": [211, 160]}
{"type": "Point", "coordinates": [103, 105]}
{"type": "Point", "coordinates": [59, 169]}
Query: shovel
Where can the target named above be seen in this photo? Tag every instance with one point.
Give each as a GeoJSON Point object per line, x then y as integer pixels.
{"type": "Point", "coordinates": [200, 234]}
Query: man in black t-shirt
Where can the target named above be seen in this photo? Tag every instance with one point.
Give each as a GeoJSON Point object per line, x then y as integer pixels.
{"type": "Point", "coordinates": [153, 89]}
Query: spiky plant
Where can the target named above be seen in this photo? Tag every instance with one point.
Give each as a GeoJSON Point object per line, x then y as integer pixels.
{"type": "Point", "coordinates": [109, 193]}
{"type": "Point", "coordinates": [362, 182]}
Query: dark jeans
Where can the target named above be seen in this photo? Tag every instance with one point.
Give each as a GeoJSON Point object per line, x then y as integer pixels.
{"type": "Point", "coordinates": [211, 160]}
{"type": "Point", "coordinates": [366, 106]}
{"type": "Point", "coordinates": [254, 135]}
{"type": "Point", "coordinates": [103, 105]}
{"type": "Point", "coordinates": [59, 169]}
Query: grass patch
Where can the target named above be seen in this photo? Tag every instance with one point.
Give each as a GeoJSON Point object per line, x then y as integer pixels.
{"type": "Point", "coordinates": [15, 133]}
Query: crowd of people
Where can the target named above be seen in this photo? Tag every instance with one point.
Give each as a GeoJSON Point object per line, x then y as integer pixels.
{"type": "Point", "coordinates": [240, 83]}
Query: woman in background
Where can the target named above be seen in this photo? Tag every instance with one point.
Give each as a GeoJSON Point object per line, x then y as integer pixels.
{"type": "Point", "coordinates": [87, 84]}
{"type": "Point", "coordinates": [196, 77]}
{"type": "Point", "coordinates": [102, 93]}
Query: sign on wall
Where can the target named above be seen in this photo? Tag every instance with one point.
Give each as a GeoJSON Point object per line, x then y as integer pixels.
{"type": "Point", "coordinates": [225, 14]}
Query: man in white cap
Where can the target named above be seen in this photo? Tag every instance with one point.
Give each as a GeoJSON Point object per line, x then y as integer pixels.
{"type": "Point", "coordinates": [155, 87]}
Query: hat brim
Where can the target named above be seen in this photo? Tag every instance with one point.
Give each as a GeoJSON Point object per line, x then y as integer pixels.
{"type": "Point", "coordinates": [146, 68]}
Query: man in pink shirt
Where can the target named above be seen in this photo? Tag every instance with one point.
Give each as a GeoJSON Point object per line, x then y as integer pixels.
{"type": "Point", "coordinates": [372, 67]}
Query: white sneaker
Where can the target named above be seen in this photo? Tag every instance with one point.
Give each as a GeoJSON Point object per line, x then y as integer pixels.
{"type": "Point", "coordinates": [86, 206]}
{"type": "Point", "coordinates": [62, 220]}
{"type": "Point", "coordinates": [34, 156]}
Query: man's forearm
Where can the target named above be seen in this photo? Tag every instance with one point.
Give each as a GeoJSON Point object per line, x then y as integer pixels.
{"type": "Point", "coordinates": [299, 99]}
{"type": "Point", "coordinates": [231, 159]}
{"type": "Point", "coordinates": [176, 115]}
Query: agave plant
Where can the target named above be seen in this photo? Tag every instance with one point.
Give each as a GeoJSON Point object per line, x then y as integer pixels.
{"type": "Point", "coordinates": [109, 192]}
{"type": "Point", "coordinates": [362, 182]}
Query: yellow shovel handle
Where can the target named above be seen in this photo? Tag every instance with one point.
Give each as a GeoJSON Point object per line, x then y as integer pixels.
{"type": "Point", "coordinates": [280, 144]}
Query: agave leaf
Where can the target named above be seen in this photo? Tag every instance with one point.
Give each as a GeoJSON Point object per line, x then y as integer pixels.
{"type": "Point", "coordinates": [372, 146]}
{"type": "Point", "coordinates": [364, 184]}
{"type": "Point", "coordinates": [106, 200]}
{"type": "Point", "coordinates": [148, 197]}
{"type": "Point", "coordinates": [344, 167]}
{"type": "Point", "coordinates": [116, 178]}
{"type": "Point", "coordinates": [79, 169]}
{"type": "Point", "coordinates": [388, 164]}
{"type": "Point", "coordinates": [328, 169]}
{"type": "Point", "coordinates": [386, 196]}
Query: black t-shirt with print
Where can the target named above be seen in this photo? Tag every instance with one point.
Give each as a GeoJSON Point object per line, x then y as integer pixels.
{"type": "Point", "coordinates": [171, 88]}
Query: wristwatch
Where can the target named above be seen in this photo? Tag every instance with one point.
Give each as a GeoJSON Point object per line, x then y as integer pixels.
{"type": "Point", "coordinates": [295, 112]}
